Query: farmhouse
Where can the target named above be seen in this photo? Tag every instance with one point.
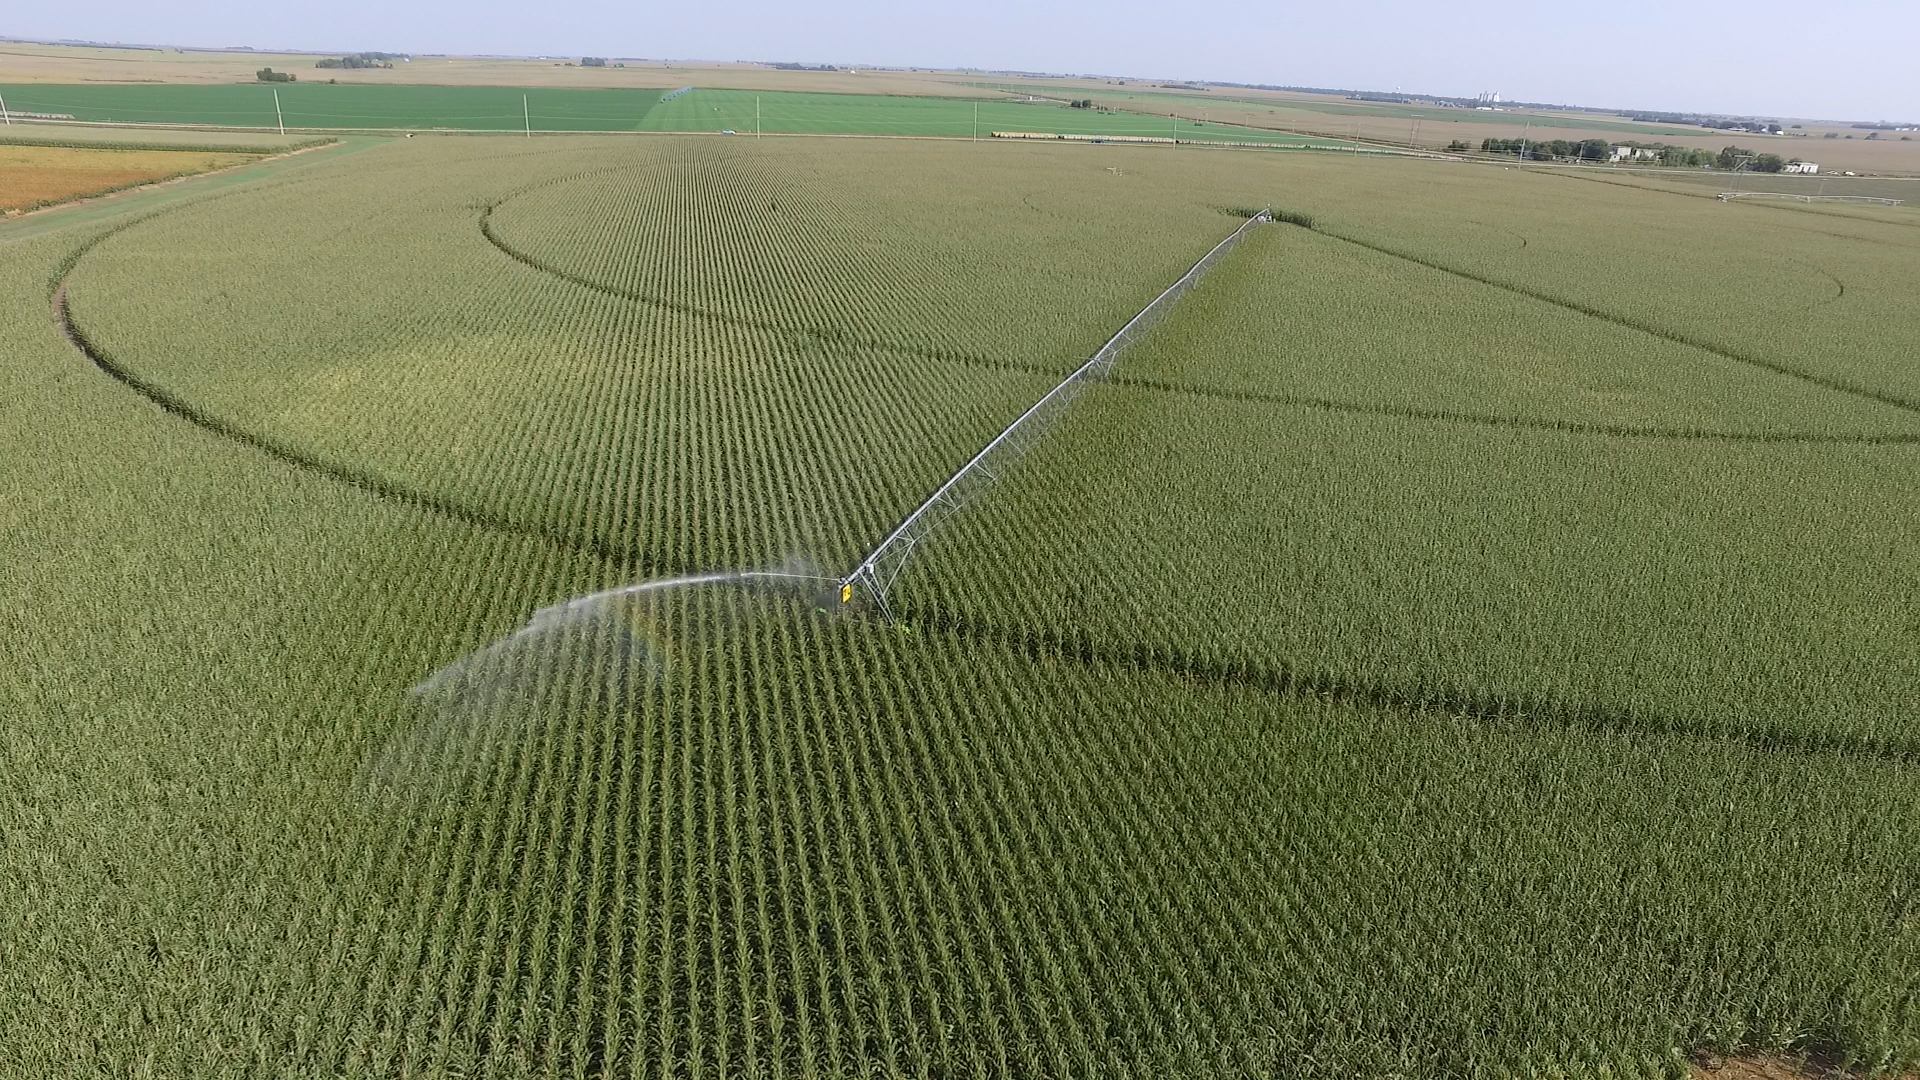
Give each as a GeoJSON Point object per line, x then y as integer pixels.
{"type": "Point", "coordinates": [1800, 167]}
{"type": "Point", "coordinates": [1633, 153]}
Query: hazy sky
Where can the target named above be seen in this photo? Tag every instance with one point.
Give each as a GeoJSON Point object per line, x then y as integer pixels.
{"type": "Point", "coordinates": [1834, 59]}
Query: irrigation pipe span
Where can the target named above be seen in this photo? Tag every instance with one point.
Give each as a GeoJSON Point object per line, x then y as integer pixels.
{"type": "Point", "coordinates": [878, 572]}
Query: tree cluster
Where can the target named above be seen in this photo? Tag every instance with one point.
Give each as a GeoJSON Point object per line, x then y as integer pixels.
{"type": "Point", "coordinates": [1720, 123]}
{"type": "Point", "coordinates": [1597, 150]}
{"type": "Point", "coordinates": [270, 75]}
{"type": "Point", "coordinates": [362, 60]}
{"type": "Point", "coordinates": [1679, 157]}
{"type": "Point", "coordinates": [1548, 149]}
{"type": "Point", "coordinates": [1733, 157]}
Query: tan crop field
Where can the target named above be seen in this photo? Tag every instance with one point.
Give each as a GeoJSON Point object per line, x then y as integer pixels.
{"type": "Point", "coordinates": [32, 176]}
{"type": "Point", "coordinates": [28, 63]}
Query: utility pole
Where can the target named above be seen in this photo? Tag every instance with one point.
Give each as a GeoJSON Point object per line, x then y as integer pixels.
{"type": "Point", "coordinates": [976, 121]}
{"type": "Point", "coordinates": [277, 116]}
{"type": "Point", "coordinates": [1523, 141]}
{"type": "Point", "coordinates": [4, 113]}
{"type": "Point", "coordinates": [756, 116]}
{"type": "Point", "coordinates": [526, 113]}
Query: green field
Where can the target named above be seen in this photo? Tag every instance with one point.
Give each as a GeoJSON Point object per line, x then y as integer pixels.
{"type": "Point", "coordinates": [1529, 118]}
{"type": "Point", "coordinates": [317, 105]}
{"type": "Point", "coordinates": [1470, 636]}
{"type": "Point", "coordinates": [314, 105]}
{"type": "Point", "coordinates": [1193, 102]}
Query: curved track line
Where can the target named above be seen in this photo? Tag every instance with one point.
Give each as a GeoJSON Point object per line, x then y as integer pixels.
{"type": "Point", "coordinates": [1824, 382]}
{"type": "Point", "coordinates": [1522, 237]}
{"type": "Point", "coordinates": [369, 482]}
{"type": "Point", "coordinates": [824, 336]}
{"type": "Point", "coordinates": [632, 560]}
{"type": "Point", "coordinates": [1327, 404]}
{"type": "Point", "coordinates": [1488, 706]}
{"type": "Point", "coordinates": [1572, 427]}
{"type": "Point", "coordinates": [1275, 679]}
{"type": "Point", "coordinates": [1839, 287]}
{"type": "Point", "coordinates": [627, 559]}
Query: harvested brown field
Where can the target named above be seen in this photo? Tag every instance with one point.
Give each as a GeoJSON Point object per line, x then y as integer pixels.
{"type": "Point", "coordinates": [1812, 1066]}
{"type": "Point", "coordinates": [32, 176]}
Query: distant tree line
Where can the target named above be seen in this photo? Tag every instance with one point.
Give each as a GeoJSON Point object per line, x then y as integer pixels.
{"type": "Point", "coordinates": [593, 61]}
{"type": "Point", "coordinates": [362, 60]}
{"type": "Point", "coordinates": [1719, 123]}
{"type": "Point", "coordinates": [1080, 103]}
{"type": "Point", "coordinates": [1734, 157]}
{"type": "Point", "coordinates": [1599, 150]}
{"type": "Point", "coordinates": [270, 75]}
{"type": "Point", "coordinates": [1548, 149]}
{"type": "Point", "coordinates": [1678, 157]}
{"type": "Point", "coordinates": [802, 67]}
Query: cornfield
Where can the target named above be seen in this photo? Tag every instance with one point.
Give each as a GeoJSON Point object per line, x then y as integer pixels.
{"type": "Point", "coordinates": [1441, 648]}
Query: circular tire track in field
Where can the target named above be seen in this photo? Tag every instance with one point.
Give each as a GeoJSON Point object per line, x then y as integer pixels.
{"type": "Point", "coordinates": [808, 335]}
{"type": "Point", "coordinates": [370, 482]}
{"type": "Point", "coordinates": [1326, 404]}
{"type": "Point", "coordinates": [1573, 427]}
{"type": "Point", "coordinates": [1263, 677]}
{"type": "Point", "coordinates": [1812, 378]}
{"type": "Point", "coordinates": [1521, 423]}
{"type": "Point", "coordinates": [1839, 287]}
{"type": "Point", "coordinates": [1522, 237]}
{"type": "Point", "coordinates": [1490, 706]}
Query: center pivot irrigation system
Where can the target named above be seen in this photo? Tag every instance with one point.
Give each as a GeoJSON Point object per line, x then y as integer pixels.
{"type": "Point", "coordinates": [877, 573]}
{"type": "Point", "coordinates": [1729, 196]}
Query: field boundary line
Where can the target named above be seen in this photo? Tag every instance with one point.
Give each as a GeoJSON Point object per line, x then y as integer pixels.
{"type": "Point", "coordinates": [877, 573]}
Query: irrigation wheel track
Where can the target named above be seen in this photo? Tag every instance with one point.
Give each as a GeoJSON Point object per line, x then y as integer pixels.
{"type": "Point", "coordinates": [624, 559]}
{"type": "Point", "coordinates": [824, 336]}
{"type": "Point", "coordinates": [1824, 382]}
{"type": "Point", "coordinates": [1489, 707]}
{"type": "Point", "coordinates": [369, 482]}
{"type": "Point", "coordinates": [1443, 416]}
{"type": "Point", "coordinates": [1519, 423]}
